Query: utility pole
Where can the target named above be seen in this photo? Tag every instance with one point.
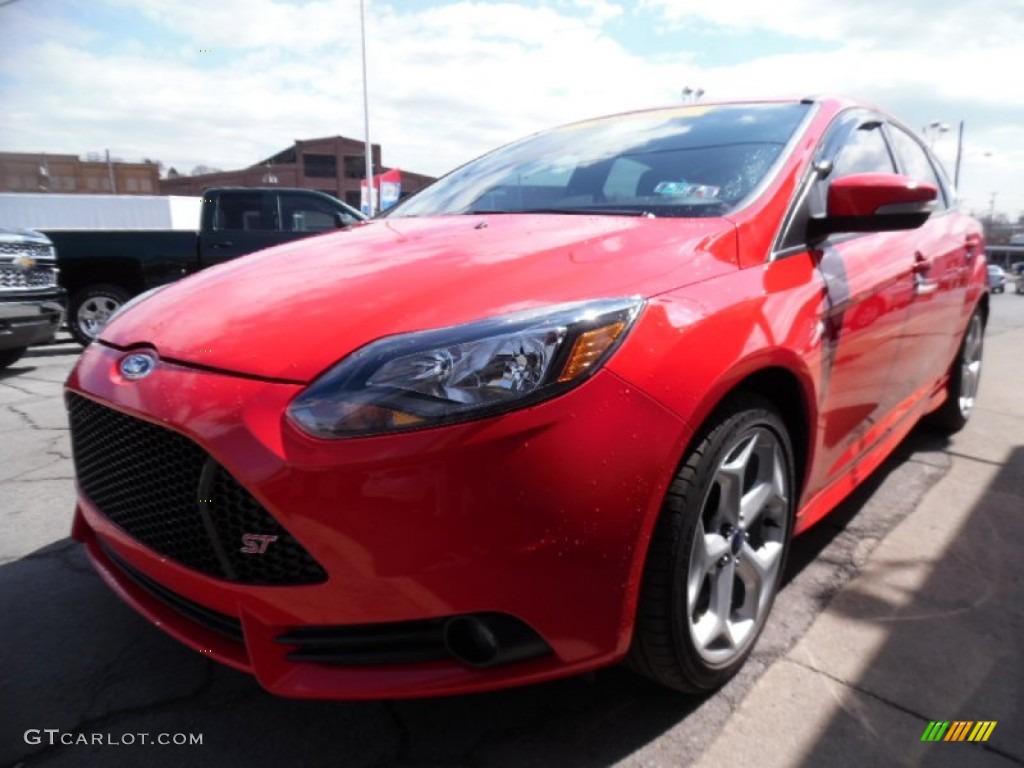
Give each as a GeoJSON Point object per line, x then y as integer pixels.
{"type": "Point", "coordinates": [366, 116]}
{"type": "Point", "coordinates": [959, 154]}
{"type": "Point", "coordinates": [110, 172]}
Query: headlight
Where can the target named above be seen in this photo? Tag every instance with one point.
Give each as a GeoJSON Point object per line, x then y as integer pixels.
{"type": "Point", "coordinates": [452, 374]}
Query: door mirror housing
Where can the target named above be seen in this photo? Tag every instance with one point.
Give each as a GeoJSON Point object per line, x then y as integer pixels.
{"type": "Point", "coordinates": [874, 202]}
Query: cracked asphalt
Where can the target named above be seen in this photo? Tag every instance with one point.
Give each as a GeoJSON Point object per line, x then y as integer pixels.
{"type": "Point", "coordinates": [77, 659]}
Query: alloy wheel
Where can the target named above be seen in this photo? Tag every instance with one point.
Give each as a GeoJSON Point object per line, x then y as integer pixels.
{"type": "Point", "coordinates": [970, 366]}
{"type": "Point", "coordinates": [738, 547]}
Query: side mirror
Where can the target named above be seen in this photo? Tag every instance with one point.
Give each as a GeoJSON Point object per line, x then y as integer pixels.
{"type": "Point", "coordinates": [341, 220]}
{"type": "Point", "coordinates": [874, 202]}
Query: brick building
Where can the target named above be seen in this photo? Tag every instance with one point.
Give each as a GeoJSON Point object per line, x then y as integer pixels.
{"type": "Point", "coordinates": [69, 174]}
{"type": "Point", "coordinates": [332, 164]}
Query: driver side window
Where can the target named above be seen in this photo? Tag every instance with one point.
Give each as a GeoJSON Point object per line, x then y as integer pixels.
{"type": "Point", "coordinates": [864, 152]}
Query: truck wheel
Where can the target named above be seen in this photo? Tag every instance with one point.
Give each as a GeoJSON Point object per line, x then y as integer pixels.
{"type": "Point", "coordinates": [10, 356]}
{"type": "Point", "coordinates": [91, 308]}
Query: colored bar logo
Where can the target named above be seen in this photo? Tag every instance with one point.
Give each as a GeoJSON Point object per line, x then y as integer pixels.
{"type": "Point", "coordinates": [958, 730]}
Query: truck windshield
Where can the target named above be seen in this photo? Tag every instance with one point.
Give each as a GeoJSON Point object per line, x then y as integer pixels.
{"type": "Point", "coordinates": [686, 162]}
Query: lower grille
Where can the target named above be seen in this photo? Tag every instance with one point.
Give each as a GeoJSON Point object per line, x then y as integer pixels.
{"type": "Point", "coordinates": [405, 642]}
{"type": "Point", "coordinates": [474, 639]}
{"type": "Point", "coordinates": [37, 277]}
{"type": "Point", "coordinates": [214, 621]}
{"type": "Point", "coordinates": [168, 493]}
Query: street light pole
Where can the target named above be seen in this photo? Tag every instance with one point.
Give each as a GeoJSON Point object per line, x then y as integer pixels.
{"type": "Point", "coordinates": [366, 116]}
{"type": "Point", "coordinates": [959, 154]}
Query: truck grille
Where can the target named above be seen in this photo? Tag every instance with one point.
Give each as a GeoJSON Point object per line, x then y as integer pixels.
{"type": "Point", "coordinates": [36, 277]}
{"type": "Point", "coordinates": [169, 494]}
{"type": "Point", "coordinates": [35, 250]}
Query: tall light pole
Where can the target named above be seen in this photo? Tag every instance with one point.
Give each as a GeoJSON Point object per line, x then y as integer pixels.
{"type": "Point", "coordinates": [959, 155]}
{"type": "Point", "coordinates": [366, 115]}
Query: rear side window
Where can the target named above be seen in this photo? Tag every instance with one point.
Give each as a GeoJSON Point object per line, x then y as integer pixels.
{"type": "Point", "coordinates": [914, 162]}
{"type": "Point", "coordinates": [240, 211]}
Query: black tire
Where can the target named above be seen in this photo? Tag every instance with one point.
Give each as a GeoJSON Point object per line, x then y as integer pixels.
{"type": "Point", "coordinates": [663, 647]}
{"type": "Point", "coordinates": [953, 414]}
{"type": "Point", "coordinates": [87, 308]}
{"type": "Point", "coordinates": [9, 357]}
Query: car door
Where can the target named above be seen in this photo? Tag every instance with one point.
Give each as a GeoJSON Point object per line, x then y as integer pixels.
{"type": "Point", "coordinates": [867, 287]}
{"type": "Point", "coordinates": [236, 222]}
{"type": "Point", "coordinates": [943, 252]}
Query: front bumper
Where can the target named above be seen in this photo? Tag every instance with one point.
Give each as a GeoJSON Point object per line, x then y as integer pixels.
{"type": "Point", "coordinates": [27, 320]}
{"type": "Point", "coordinates": [541, 514]}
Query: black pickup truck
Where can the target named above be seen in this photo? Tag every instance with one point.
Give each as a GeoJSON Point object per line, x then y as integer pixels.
{"type": "Point", "coordinates": [102, 269]}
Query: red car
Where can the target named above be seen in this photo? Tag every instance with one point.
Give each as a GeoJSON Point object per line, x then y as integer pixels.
{"type": "Point", "coordinates": [566, 407]}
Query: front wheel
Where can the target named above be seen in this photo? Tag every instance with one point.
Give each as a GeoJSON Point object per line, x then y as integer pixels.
{"type": "Point", "coordinates": [718, 551]}
{"type": "Point", "coordinates": [964, 379]}
{"type": "Point", "coordinates": [91, 308]}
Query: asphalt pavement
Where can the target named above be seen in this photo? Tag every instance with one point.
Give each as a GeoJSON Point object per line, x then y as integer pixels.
{"type": "Point", "coordinates": [903, 607]}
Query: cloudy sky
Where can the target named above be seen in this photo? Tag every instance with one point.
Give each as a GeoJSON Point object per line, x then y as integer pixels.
{"type": "Point", "coordinates": [229, 82]}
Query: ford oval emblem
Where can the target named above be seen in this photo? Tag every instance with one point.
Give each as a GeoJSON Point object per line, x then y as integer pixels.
{"type": "Point", "coordinates": [138, 365]}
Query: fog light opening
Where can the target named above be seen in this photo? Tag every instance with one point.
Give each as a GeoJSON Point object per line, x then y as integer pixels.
{"type": "Point", "coordinates": [471, 641]}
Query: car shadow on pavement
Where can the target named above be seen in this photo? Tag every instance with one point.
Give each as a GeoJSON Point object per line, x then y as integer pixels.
{"type": "Point", "coordinates": [950, 649]}
{"type": "Point", "coordinates": [81, 661]}
{"type": "Point", "coordinates": [922, 444]}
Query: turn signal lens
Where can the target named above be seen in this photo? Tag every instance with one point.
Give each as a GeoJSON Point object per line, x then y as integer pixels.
{"type": "Point", "coordinates": [589, 348]}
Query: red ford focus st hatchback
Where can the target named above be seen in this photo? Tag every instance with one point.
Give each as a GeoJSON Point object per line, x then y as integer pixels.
{"type": "Point", "coordinates": [564, 408]}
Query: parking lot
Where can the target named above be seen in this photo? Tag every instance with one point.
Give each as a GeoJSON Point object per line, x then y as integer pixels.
{"type": "Point", "coordinates": [79, 660]}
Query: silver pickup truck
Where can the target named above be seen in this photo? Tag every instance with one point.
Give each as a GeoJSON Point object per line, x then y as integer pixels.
{"type": "Point", "coordinates": [31, 303]}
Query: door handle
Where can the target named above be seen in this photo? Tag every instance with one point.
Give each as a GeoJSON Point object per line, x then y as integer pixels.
{"type": "Point", "coordinates": [922, 266]}
{"type": "Point", "coordinates": [224, 244]}
{"type": "Point", "coordinates": [972, 244]}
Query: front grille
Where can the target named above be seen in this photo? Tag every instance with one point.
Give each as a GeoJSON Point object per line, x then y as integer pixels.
{"type": "Point", "coordinates": [207, 617]}
{"type": "Point", "coordinates": [37, 277]}
{"type": "Point", "coordinates": [166, 492]}
{"type": "Point", "coordinates": [34, 250]}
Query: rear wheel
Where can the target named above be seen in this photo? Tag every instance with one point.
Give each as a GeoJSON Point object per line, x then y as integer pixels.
{"type": "Point", "coordinates": [718, 552]}
{"type": "Point", "coordinates": [9, 357]}
{"type": "Point", "coordinates": [91, 308]}
{"type": "Point", "coordinates": [964, 379]}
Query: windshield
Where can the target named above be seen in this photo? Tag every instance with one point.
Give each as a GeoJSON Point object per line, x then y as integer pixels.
{"type": "Point", "coordinates": [686, 162]}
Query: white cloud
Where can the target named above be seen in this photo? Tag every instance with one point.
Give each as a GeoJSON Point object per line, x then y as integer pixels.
{"type": "Point", "coordinates": [451, 81]}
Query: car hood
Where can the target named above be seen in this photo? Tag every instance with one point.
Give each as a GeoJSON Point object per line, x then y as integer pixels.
{"type": "Point", "coordinates": [292, 311]}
